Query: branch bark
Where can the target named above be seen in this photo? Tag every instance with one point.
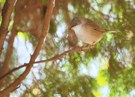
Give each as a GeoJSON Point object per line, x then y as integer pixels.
{"type": "Point", "coordinates": [5, 66]}
{"type": "Point", "coordinates": [45, 30]}
{"type": "Point", "coordinates": [6, 14]}
{"type": "Point", "coordinates": [75, 49]}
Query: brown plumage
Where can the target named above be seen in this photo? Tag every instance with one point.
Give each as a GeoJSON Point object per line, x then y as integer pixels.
{"type": "Point", "coordinates": [86, 30]}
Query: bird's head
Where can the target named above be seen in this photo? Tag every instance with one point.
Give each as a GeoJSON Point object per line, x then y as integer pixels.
{"type": "Point", "coordinates": [76, 21]}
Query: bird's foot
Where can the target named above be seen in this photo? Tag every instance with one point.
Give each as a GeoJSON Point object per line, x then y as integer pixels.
{"type": "Point", "coordinates": [85, 47]}
{"type": "Point", "coordinates": [91, 46]}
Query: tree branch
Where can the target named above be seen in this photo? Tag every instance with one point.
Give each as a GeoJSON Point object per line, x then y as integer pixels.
{"type": "Point", "coordinates": [76, 49]}
{"type": "Point", "coordinates": [46, 26]}
{"type": "Point", "coordinates": [6, 14]}
{"type": "Point", "coordinates": [5, 66]}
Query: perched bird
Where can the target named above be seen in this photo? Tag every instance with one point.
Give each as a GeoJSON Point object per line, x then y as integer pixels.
{"type": "Point", "coordinates": [86, 30]}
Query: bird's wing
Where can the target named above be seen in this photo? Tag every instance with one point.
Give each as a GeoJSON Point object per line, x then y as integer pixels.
{"type": "Point", "coordinates": [94, 25]}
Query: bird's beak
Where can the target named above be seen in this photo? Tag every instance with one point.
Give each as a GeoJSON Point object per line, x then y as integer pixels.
{"type": "Point", "coordinates": [69, 27]}
{"type": "Point", "coordinates": [75, 21]}
{"type": "Point", "coordinates": [72, 24]}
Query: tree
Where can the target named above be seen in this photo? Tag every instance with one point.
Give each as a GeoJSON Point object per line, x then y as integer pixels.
{"type": "Point", "coordinates": [55, 68]}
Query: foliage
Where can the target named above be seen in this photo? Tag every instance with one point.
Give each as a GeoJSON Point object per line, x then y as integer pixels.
{"type": "Point", "coordinates": [111, 61]}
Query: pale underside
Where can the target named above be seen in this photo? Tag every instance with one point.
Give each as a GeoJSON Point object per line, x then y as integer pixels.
{"type": "Point", "coordinates": [87, 34]}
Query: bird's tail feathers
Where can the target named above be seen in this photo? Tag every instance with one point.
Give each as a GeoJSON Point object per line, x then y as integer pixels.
{"type": "Point", "coordinates": [112, 31]}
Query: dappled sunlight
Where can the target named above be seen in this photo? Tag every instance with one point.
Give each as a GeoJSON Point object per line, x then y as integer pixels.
{"type": "Point", "coordinates": [67, 48]}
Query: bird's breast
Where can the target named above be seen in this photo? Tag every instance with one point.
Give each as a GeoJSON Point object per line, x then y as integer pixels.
{"type": "Point", "coordinates": [87, 34]}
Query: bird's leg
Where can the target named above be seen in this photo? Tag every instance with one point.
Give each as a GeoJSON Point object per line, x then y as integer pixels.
{"type": "Point", "coordinates": [92, 45]}
{"type": "Point", "coordinates": [85, 47]}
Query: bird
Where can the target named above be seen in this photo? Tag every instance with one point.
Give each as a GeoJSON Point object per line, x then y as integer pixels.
{"type": "Point", "coordinates": [87, 30]}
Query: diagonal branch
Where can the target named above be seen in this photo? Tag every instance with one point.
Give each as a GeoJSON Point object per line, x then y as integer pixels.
{"type": "Point", "coordinates": [78, 49]}
{"type": "Point", "coordinates": [46, 26]}
{"type": "Point", "coordinates": [6, 14]}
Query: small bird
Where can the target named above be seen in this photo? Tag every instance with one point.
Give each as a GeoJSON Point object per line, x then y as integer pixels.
{"type": "Point", "coordinates": [86, 30]}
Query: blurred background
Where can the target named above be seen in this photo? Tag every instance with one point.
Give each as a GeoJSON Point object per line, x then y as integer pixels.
{"type": "Point", "coordinates": [107, 70]}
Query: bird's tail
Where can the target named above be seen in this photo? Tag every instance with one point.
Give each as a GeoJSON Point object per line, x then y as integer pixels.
{"type": "Point", "coordinates": [111, 31]}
